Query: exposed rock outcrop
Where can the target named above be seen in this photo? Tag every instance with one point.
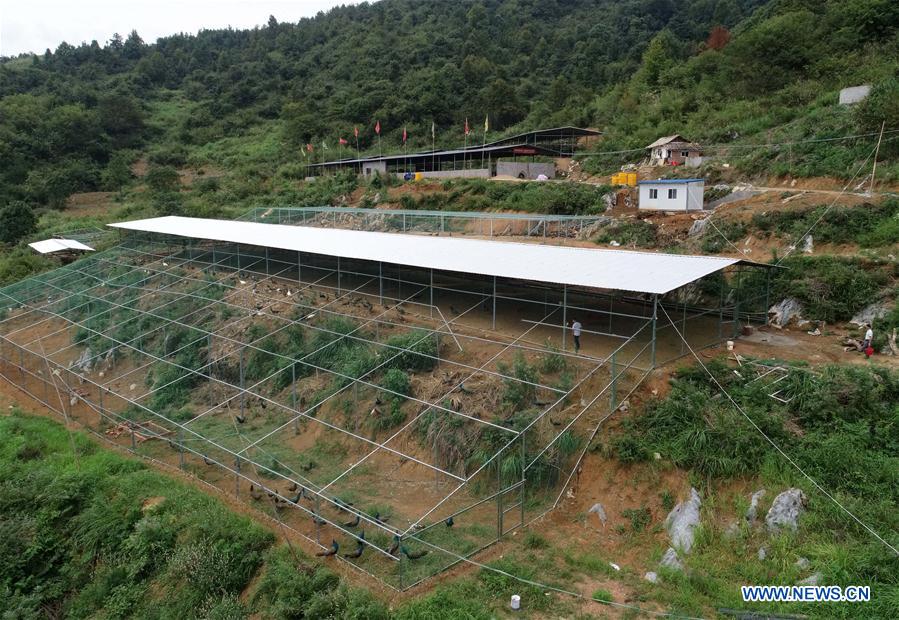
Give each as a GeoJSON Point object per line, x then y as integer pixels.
{"type": "Point", "coordinates": [785, 511]}
{"type": "Point", "coordinates": [682, 520]}
{"type": "Point", "coordinates": [783, 313]}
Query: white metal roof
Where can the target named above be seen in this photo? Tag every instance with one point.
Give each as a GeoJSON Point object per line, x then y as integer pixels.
{"type": "Point", "coordinates": [643, 272]}
{"type": "Point", "coordinates": [49, 246]}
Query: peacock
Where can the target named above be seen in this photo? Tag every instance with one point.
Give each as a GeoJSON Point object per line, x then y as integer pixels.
{"type": "Point", "coordinates": [353, 523]}
{"type": "Point", "coordinates": [240, 419]}
{"type": "Point", "coordinates": [395, 546]}
{"type": "Point", "coordinates": [449, 522]}
{"type": "Point", "coordinates": [317, 519]}
{"type": "Point", "coordinates": [380, 519]}
{"type": "Point", "coordinates": [292, 487]}
{"type": "Point", "coordinates": [360, 547]}
{"type": "Point", "coordinates": [254, 492]}
{"type": "Point", "coordinates": [413, 555]}
{"type": "Point", "coordinates": [329, 552]}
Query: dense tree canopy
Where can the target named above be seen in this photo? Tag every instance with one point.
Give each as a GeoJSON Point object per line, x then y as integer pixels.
{"type": "Point", "coordinates": [635, 68]}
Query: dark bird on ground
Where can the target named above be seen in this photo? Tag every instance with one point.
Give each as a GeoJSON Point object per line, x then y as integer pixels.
{"type": "Point", "coordinates": [378, 400]}
{"type": "Point", "coordinates": [296, 498]}
{"type": "Point", "coordinates": [254, 492]}
{"type": "Point", "coordinates": [395, 546]}
{"type": "Point", "coordinates": [360, 547]}
{"type": "Point", "coordinates": [341, 505]}
{"type": "Point", "coordinates": [329, 552]}
{"type": "Point", "coordinates": [240, 419]}
{"type": "Point", "coordinates": [262, 403]}
{"type": "Point", "coordinates": [413, 555]}
{"type": "Point", "coordinates": [353, 523]}
{"type": "Point", "coordinates": [317, 519]}
{"type": "Point", "coordinates": [380, 519]}
{"type": "Point", "coordinates": [453, 309]}
{"type": "Point", "coordinates": [207, 461]}
{"type": "Point", "coordinates": [449, 522]}
{"type": "Point", "coordinates": [292, 487]}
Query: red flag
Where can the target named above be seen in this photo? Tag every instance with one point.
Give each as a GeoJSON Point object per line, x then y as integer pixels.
{"type": "Point", "coordinates": [309, 147]}
{"type": "Point", "coordinates": [378, 127]}
{"type": "Point", "coordinates": [404, 135]}
{"type": "Point", "coordinates": [356, 131]}
{"type": "Point", "coordinates": [343, 142]}
{"type": "Point", "coordinates": [466, 126]}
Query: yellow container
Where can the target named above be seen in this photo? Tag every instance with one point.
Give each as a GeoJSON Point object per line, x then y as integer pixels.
{"type": "Point", "coordinates": [616, 179]}
{"type": "Point", "coordinates": [632, 179]}
{"type": "Point", "coordinates": [419, 176]}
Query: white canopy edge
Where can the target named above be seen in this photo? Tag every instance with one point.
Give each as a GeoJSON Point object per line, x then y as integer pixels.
{"type": "Point", "coordinates": [49, 246]}
{"type": "Point", "coordinates": [642, 272]}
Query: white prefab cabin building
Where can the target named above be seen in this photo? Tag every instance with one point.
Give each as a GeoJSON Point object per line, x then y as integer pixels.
{"type": "Point", "coordinates": [671, 194]}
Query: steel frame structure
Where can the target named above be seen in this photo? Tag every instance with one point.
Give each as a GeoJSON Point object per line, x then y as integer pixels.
{"type": "Point", "coordinates": [538, 226]}
{"type": "Point", "coordinates": [152, 286]}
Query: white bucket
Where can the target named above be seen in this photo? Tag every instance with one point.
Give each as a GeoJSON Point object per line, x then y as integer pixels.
{"type": "Point", "coordinates": [730, 345]}
{"type": "Point", "coordinates": [515, 604]}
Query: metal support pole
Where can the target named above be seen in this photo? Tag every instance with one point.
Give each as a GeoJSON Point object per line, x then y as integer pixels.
{"type": "Point", "coordinates": [499, 499]}
{"type": "Point", "coordinates": [613, 388]}
{"type": "Point", "coordinates": [318, 512]}
{"type": "Point", "coordinates": [238, 259]}
{"type": "Point", "coordinates": [180, 447]}
{"type": "Point", "coordinates": [767, 294]}
{"type": "Point", "coordinates": [494, 303]}
{"type": "Point", "coordinates": [267, 272]}
{"type": "Point", "coordinates": [521, 488]}
{"type": "Point", "coordinates": [338, 275]}
{"type": "Point", "coordinates": [237, 476]}
{"type": "Point", "coordinates": [655, 309]}
{"type": "Point", "coordinates": [564, 313]}
{"type": "Point", "coordinates": [299, 269]}
{"type": "Point", "coordinates": [432, 293]}
{"type": "Point", "coordinates": [380, 283]}
{"type": "Point", "coordinates": [737, 292]}
{"type": "Point", "coordinates": [721, 307]}
{"type": "Point", "coordinates": [243, 394]}
{"type": "Point", "coordinates": [293, 397]}
{"type": "Point", "coordinates": [683, 330]}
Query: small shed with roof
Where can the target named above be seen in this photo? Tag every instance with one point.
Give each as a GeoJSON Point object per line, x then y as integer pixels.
{"type": "Point", "coordinates": [674, 151]}
{"type": "Point", "coordinates": [671, 194]}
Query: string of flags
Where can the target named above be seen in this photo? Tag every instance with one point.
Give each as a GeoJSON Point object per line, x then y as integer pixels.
{"type": "Point", "coordinates": [343, 142]}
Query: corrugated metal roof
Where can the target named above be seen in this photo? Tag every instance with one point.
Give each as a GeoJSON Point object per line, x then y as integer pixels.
{"type": "Point", "coordinates": [669, 181]}
{"type": "Point", "coordinates": [642, 272]}
{"type": "Point", "coordinates": [49, 246]}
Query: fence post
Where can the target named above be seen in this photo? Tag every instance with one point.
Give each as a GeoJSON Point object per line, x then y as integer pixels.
{"type": "Point", "coordinates": [655, 309]}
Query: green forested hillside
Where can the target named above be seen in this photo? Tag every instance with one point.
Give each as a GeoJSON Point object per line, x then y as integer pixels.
{"type": "Point", "coordinates": [721, 71]}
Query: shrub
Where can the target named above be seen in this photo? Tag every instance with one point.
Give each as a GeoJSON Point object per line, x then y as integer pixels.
{"type": "Point", "coordinates": [519, 394]}
{"type": "Point", "coordinates": [603, 596]}
{"type": "Point", "coordinates": [421, 351]}
{"type": "Point", "coordinates": [639, 517]}
{"type": "Point", "coordinates": [636, 233]}
{"type": "Point", "coordinates": [552, 361]}
{"type": "Point", "coordinates": [162, 179]}
{"type": "Point", "coordinates": [830, 288]}
{"type": "Point", "coordinates": [397, 381]}
{"type": "Point", "coordinates": [714, 241]}
{"type": "Point", "coordinates": [17, 220]}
